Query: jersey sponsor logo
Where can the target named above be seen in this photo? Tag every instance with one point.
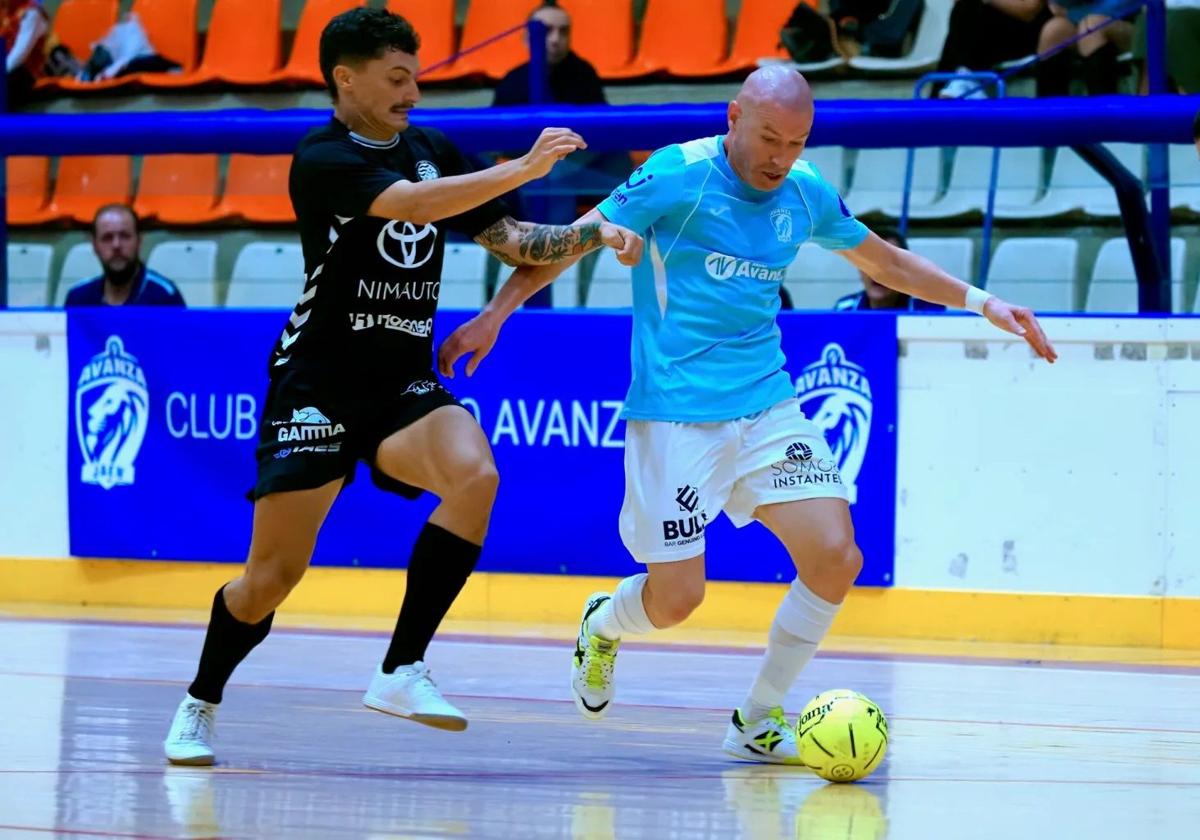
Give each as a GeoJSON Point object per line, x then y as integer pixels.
{"type": "Point", "coordinates": [687, 497]}
{"type": "Point", "coordinates": [383, 290]}
{"type": "Point", "coordinates": [685, 530]}
{"type": "Point", "coordinates": [318, 449]}
{"type": "Point", "coordinates": [405, 246]}
{"type": "Point", "coordinates": [836, 394]}
{"type": "Point", "coordinates": [781, 220]}
{"type": "Point", "coordinates": [111, 415]}
{"type": "Point", "coordinates": [799, 468]}
{"type": "Point", "coordinates": [799, 451]}
{"type": "Point", "coordinates": [723, 267]}
{"type": "Point", "coordinates": [413, 326]}
{"type": "Point", "coordinates": [636, 179]}
{"type": "Point", "coordinates": [427, 170]}
{"type": "Point", "coordinates": [422, 387]}
{"type": "Point", "coordinates": [306, 424]}
{"type": "Point", "coordinates": [619, 198]}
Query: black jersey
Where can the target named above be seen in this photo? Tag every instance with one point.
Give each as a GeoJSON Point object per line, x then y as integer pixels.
{"type": "Point", "coordinates": [371, 287]}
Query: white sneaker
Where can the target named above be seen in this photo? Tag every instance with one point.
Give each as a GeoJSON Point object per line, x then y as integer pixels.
{"type": "Point", "coordinates": [963, 89]}
{"type": "Point", "coordinates": [192, 732]}
{"type": "Point", "coordinates": [771, 740]}
{"type": "Point", "coordinates": [410, 693]}
{"type": "Point", "coordinates": [592, 683]}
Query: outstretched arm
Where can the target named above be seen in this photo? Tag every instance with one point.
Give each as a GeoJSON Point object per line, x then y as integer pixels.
{"type": "Point", "coordinates": [917, 277]}
{"type": "Point", "coordinates": [526, 243]}
{"type": "Point", "coordinates": [421, 202]}
{"type": "Point", "coordinates": [478, 335]}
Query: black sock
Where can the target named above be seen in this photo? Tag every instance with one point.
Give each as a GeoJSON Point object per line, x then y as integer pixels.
{"type": "Point", "coordinates": [1054, 75]}
{"type": "Point", "coordinates": [1100, 71]}
{"type": "Point", "coordinates": [228, 642]}
{"type": "Point", "coordinates": [439, 566]}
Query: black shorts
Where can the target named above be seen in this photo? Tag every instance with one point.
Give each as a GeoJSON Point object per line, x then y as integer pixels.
{"type": "Point", "coordinates": [314, 431]}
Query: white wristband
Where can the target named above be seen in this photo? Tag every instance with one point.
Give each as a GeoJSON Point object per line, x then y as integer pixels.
{"type": "Point", "coordinates": [976, 298]}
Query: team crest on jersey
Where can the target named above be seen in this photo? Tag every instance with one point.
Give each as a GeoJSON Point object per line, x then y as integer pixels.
{"type": "Point", "coordinates": [781, 219]}
{"type": "Point", "coordinates": [405, 245]}
{"type": "Point", "coordinates": [835, 394]}
{"type": "Point", "coordinates": [111, 415]}
{"type": "Point", "coordinates": [427, 170]}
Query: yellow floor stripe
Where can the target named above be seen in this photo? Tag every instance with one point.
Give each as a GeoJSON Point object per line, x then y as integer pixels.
{"type": "Point", "coordinates": [729, 607]}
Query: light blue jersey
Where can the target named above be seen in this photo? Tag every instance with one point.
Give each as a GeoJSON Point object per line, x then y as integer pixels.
{"type": "Point", "coordinates": [705, 343]}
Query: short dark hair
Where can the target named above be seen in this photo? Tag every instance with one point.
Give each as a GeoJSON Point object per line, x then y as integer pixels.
{"type": "Point", "coordinates": [1196, 127]}
{"type": "Point", "coordinates": [120, 208]}
{"type": "Point", "coordinates": [363, 34]}
{"type": "Point", "coordinates": [891, 234]}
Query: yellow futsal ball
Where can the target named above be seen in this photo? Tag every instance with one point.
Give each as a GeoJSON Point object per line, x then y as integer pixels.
{"type": "Point", "coordinates": [842, 734]}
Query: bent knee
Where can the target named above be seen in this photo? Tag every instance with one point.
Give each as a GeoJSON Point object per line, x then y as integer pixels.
{"type": "Point", "coordinates": [475, 481]}
{"type": "Point", "coordinates": [264, 589]}
{"type": "Point", "coordinates": [841, 557]}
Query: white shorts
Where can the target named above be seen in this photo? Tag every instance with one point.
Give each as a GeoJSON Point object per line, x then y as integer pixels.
{"type": "Point", "coordinates": [679, 476]}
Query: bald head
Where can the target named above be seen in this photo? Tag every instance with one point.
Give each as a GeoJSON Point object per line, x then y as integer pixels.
{"type": "Point", "coordinates": [776, 87]}
{"type": "Point", "coordinates": [769, 123]}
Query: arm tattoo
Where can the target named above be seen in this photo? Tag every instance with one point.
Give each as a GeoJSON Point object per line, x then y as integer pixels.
{"type": "Point", "coordinates": [525, 243]}
{"type": "Point", "coordinates": [541, 244]}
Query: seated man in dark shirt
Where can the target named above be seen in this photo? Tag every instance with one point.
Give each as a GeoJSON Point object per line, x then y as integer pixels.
{"type": "Point", "coordinates": [126, 281]}
{"type": "Point", "coordinates": [877, 296]}
{"type": "Point", "coordinates": [572, 80]}
{"type": "Point", "coordinates": [585, 178]}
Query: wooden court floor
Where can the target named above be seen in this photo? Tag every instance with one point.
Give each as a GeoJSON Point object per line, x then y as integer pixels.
{"type": "Point", "coordinates": [987, 742]}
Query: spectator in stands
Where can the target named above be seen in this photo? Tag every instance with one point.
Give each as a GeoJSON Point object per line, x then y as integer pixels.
{"type": "Point", "coordinates": [877, 296]}
{"type": "Point", "coordinates": [25, 29]}
{"type": "Point", "coordinates": [1097, 51]}
{"type": "Point", "coordinates": [126, 280]}
{"type": "Point", "coordinates": [1183, 46]}
{"type": "Point", "coordinates": [584, 179]}
{"type": "Point", "coordinates": [984, 33]}
{"type": "Point", "coordinates": [849, 28]}
{"type": "Point", "coordinates": [572, 80]}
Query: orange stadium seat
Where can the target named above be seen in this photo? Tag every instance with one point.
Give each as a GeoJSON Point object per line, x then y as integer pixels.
{"type": "Point", "coordinates": [682, 37]}
{"type": "Point", "coordinates": [243, 47]}
{"type": "Point", "coordinates": [434, 22]}
{"type": "Point", "coordinates": [303, 66]}
{"type": "Point", "coordinates": [80, 23]}
{"type": "Point", "coordinates": [87, 183]}
{"type": "Point", "coordinates": [602, 32]}
{"type": "Point", "coordinates": [758, 27]}
{"type": "Point", "coordinates": [177, 189]}
{"type": "Point", "coordinates": [256, 190]}
{"type": "Point", "coordinates": [171, 27]}
{"type": "Point", "coordinates": [28, 189]}
{"type": "Point", "coordinates": [486, 18]}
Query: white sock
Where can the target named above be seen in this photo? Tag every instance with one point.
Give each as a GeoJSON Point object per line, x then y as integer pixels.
{"type": "Point", "coordinates": [801, 622]}
{"type": "Point", "coordinates": [623, 613]}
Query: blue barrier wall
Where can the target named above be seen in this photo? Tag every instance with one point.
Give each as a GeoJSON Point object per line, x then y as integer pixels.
{"type": "Point", "coordinates": [875, 123]}
{"type": "Point", "coordinates": [164, 418]}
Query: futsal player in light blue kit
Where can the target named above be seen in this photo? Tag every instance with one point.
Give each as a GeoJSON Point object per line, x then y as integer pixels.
{"type": "Point", "coordinates": [710, 407]}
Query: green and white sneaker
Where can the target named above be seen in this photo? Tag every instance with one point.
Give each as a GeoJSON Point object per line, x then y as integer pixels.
{"type": "Point", "coordinates": [592, 667]}
{"type": "Point", "coordinates": [771, 740]}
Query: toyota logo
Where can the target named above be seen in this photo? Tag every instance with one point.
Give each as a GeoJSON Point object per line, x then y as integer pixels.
{"type": "Point", "coordinates": [415, 245]}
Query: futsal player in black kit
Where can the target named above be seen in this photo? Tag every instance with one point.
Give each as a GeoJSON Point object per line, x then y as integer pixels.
{"type": "Point", "coordinates": [351, 377]}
